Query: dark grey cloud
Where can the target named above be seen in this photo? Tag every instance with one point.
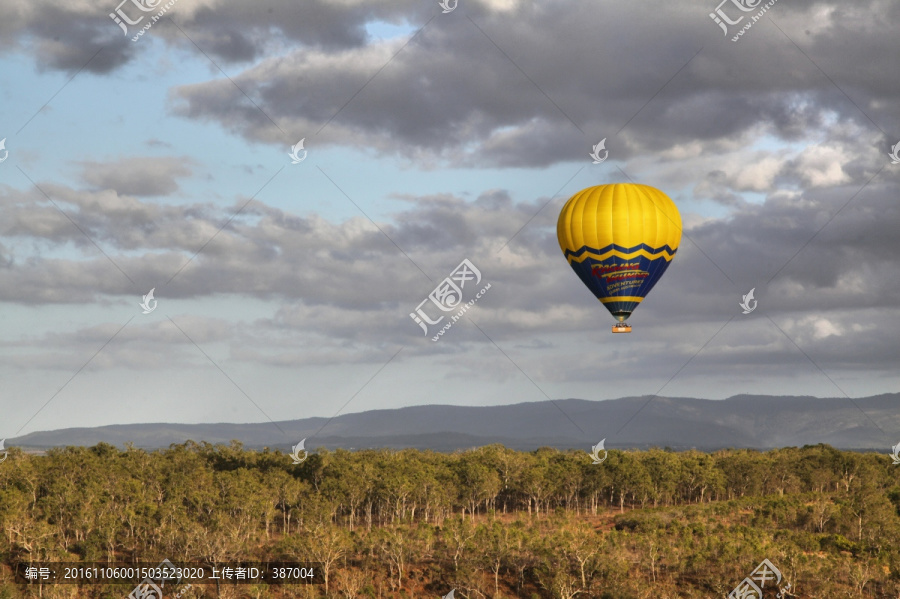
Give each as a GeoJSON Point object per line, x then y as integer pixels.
{"type": "Point", "coordinates": [65, 35]}
{"type": "Point", "coordinates": [453, 95]}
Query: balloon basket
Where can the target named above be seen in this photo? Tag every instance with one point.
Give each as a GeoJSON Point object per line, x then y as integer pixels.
{"type": "Point", "coordinates": [621, 328]}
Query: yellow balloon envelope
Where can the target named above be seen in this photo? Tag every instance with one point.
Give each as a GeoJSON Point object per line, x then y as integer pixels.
{"type": "Point", "coordinates": [619, 239]}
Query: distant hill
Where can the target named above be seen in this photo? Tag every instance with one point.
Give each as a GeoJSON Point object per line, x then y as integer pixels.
{"type": "Point", "coordinates": [754, 421]}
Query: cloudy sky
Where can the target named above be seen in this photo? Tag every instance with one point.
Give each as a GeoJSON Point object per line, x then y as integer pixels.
{"type": "Point", "coordinates": [283, 290]}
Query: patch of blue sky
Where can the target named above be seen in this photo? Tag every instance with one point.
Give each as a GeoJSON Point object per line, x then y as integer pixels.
{"type": "Point", "coordinates": [82, 250]}
{"type": "Point", "coordinates": [382, 30]}
{"type": "Point", "coordinates": [777, 146]}
{"type": "Point", "coordinates": [22, 93]}
{"type": "Point", "coordinates": [127, 114]}
{"type": "Point", "coordinates": [21, 322]}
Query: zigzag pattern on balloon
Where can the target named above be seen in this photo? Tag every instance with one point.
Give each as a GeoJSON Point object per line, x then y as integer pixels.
{"type": "Point", "coordinates": [650, 253]}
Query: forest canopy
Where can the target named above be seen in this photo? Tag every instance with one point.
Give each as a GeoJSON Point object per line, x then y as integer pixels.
{"type": "Point", "coordinates": [489, 522]}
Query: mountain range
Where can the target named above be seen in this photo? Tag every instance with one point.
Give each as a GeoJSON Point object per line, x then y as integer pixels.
{"type": "Point", "coordinates": [741, 421]}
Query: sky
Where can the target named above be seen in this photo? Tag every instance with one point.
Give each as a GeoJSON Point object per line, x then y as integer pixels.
{"type": "Point", "coordinates": [283, 287]}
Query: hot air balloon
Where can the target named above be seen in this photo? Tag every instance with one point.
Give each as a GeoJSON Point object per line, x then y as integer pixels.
{"type": "Point", "coordinates": [619, 239]}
